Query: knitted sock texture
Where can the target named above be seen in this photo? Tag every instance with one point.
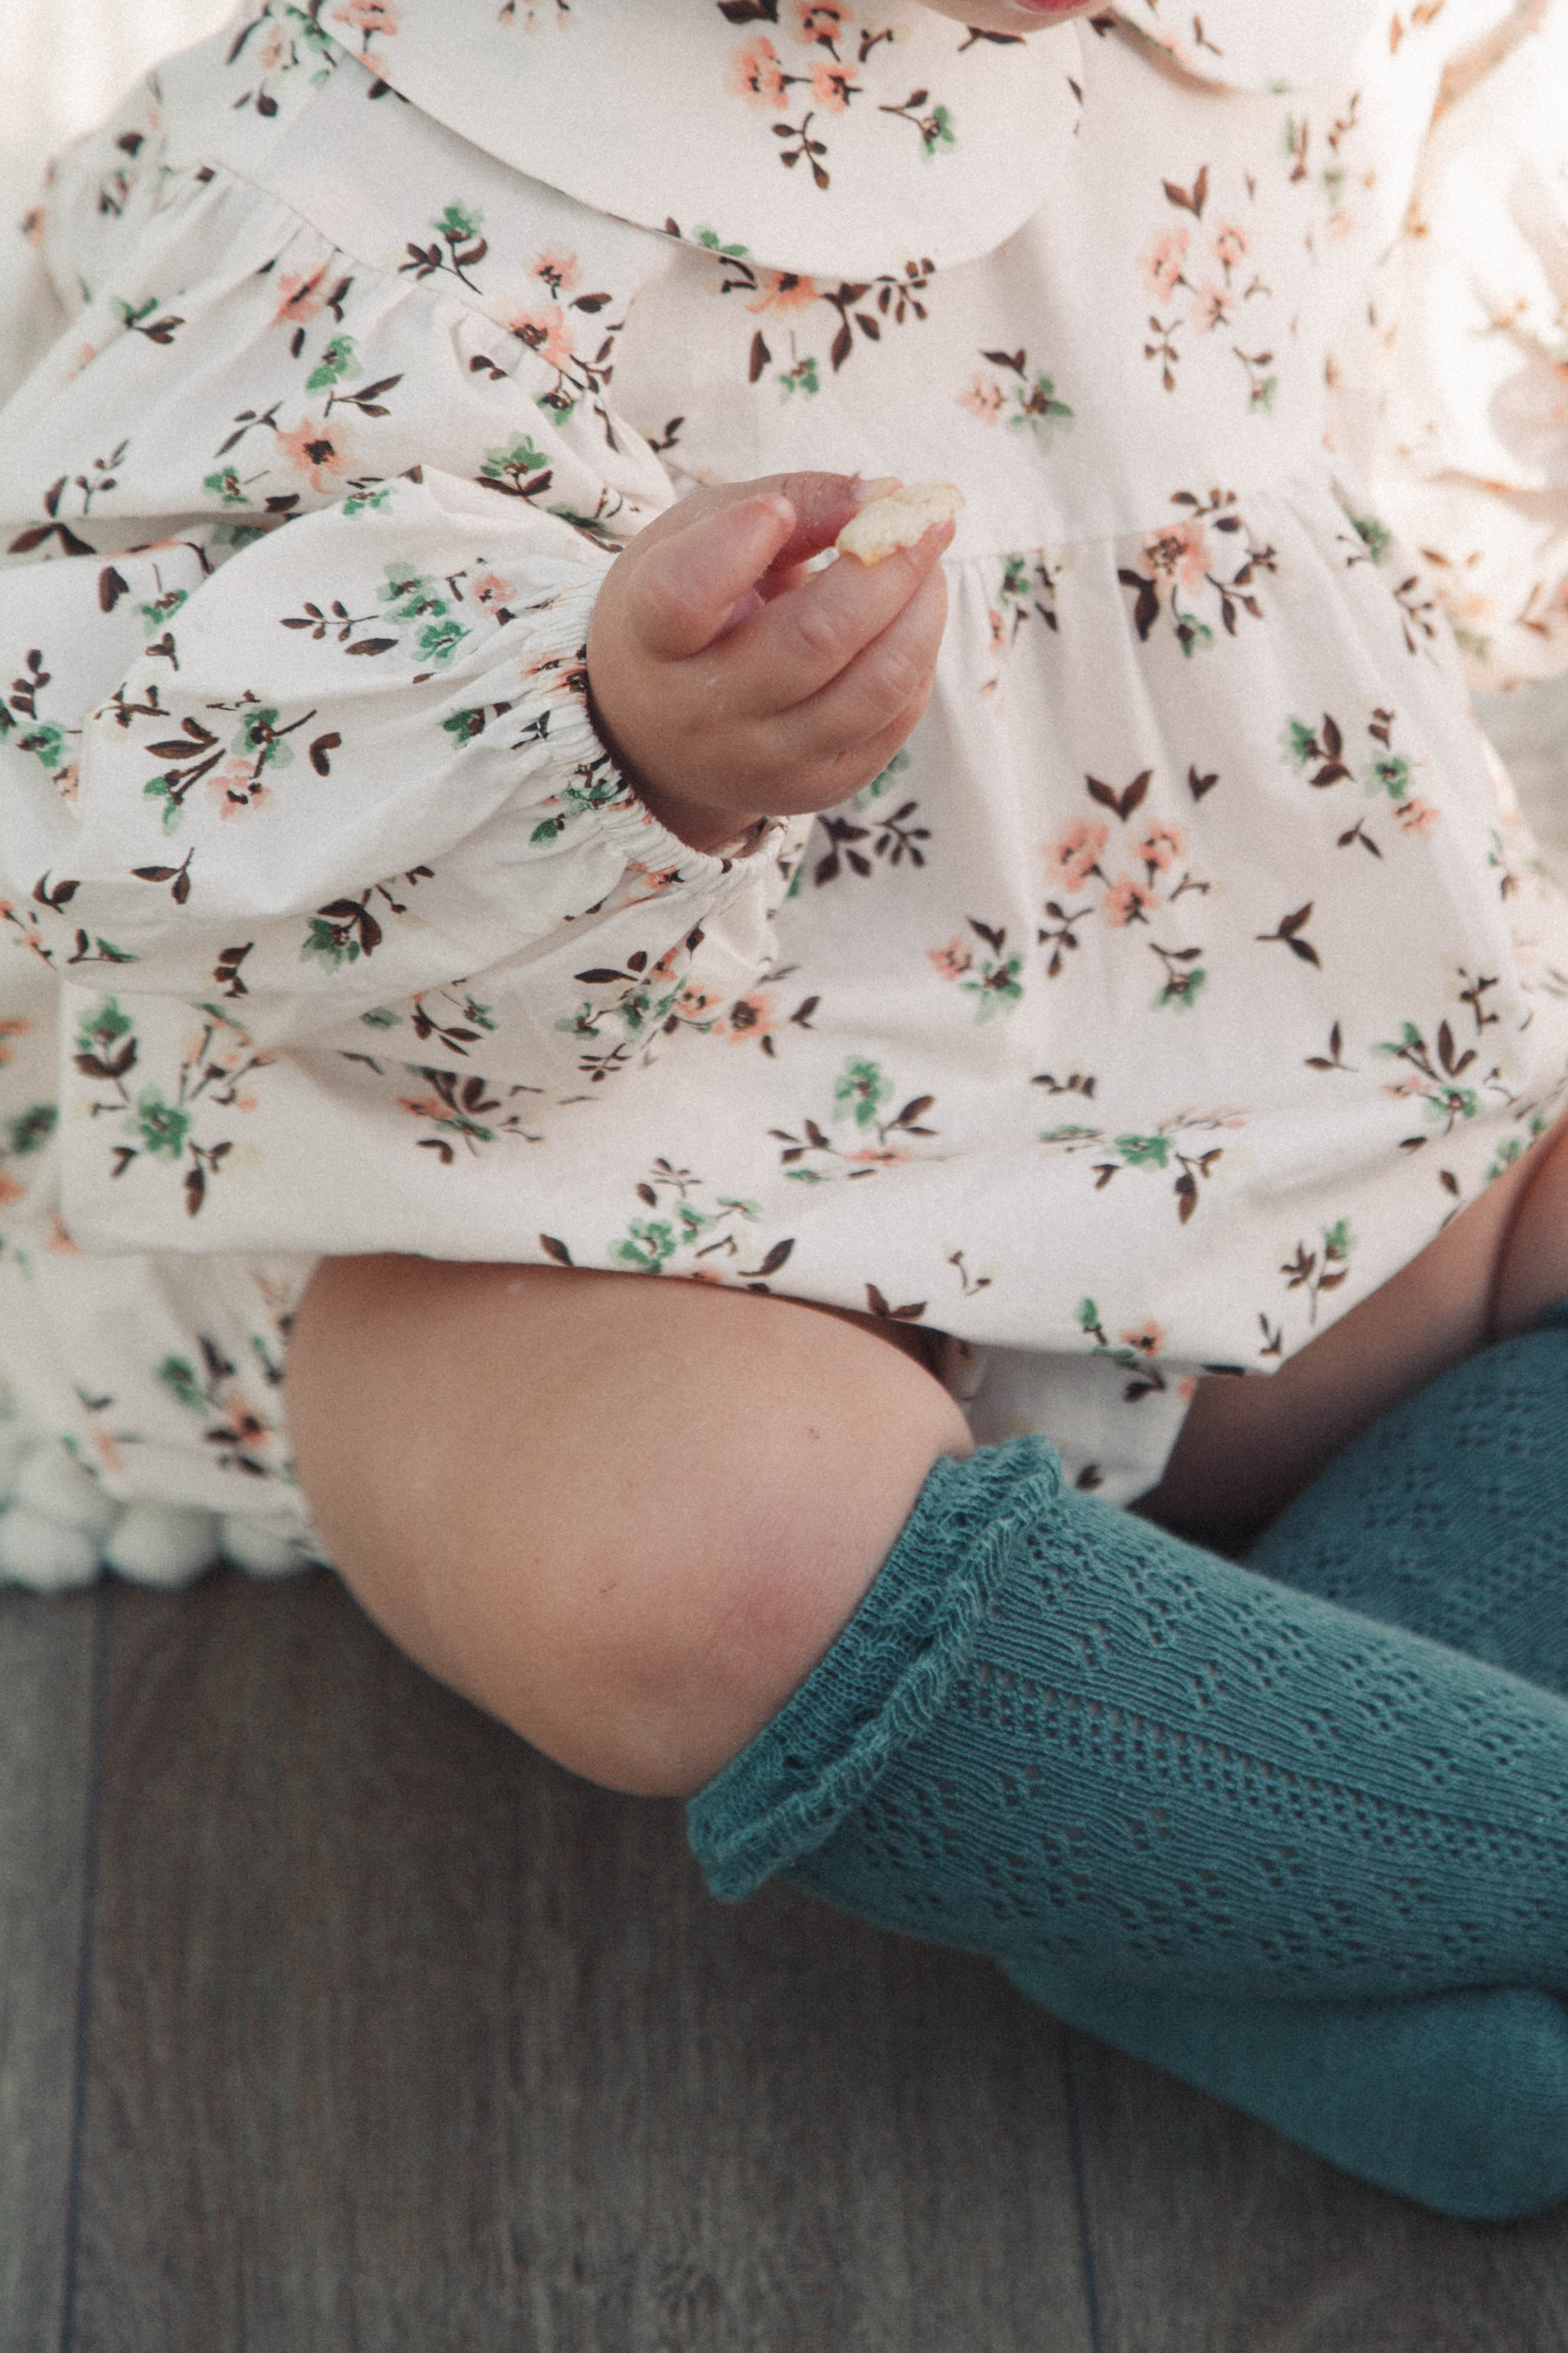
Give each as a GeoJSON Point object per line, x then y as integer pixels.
{"type": "Point", "coordinates": [1054, 1732]}
{"type": "Point", "coordinates": [1457, 2100]}
{"type": "Point", "coordinates": [1450, 1515]}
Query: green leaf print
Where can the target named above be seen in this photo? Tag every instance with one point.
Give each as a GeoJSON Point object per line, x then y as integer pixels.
{"type": "Point", "coordinates": [1390, 774]}
{"type": "Point", "coordinates": [179, 1376]}
{"type": "Point", "coordinates": [1438, 1070]}
{"type": "Point", "coordinates": [374, 502]}
{"type": "Point", "coordinates": [227, 484]}
{"type": "Point", "coordinates": [649, 1247]}
{"type": "Point", "coordinates": [518, 470]}
{"type": "Point", "coordinates": [162, 1127]}
{"type": "Point", "coordinates": [329, 945]}
{"type": "Point", "coordinates": [802, 377]}
{"type": "Point", "coordinates": [860, 1091]}
{"type": "Point", "coordinates": [339, 360]}
{"type": "Point", "coordinates": [710, 237]}
{"type": "Point", "coordinates": [103, 1028]}
{"type": "Point", "coordinates": [1039, 411]}
{"type": "Point", "coordinates": [1144, 1151]}
{"type": "Point", "coordinates": [881, 783]}
{"type": "Point", "coordinates": [33, 1129]}
{"type": "Point", "coordinates": [257, 740]}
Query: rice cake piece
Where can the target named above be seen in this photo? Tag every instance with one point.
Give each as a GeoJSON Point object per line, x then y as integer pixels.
{"type": "Point", "coordinates": [898, 520]}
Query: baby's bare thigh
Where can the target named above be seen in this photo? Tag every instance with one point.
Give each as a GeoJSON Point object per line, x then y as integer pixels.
{"type": "Point", "coordinates": [626, 1514]}
{"type": "Point", "coordinates": [1247, 1446]}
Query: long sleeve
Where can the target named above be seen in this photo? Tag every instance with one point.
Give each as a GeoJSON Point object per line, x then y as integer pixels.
{"type": "Point", "coordinates": [1471, 466]}
{"type": "Point", "coordinates": [298, 788]}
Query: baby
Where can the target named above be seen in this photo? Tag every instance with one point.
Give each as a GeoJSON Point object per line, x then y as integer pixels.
{"type": "Point", "coordinates": [431, 782]}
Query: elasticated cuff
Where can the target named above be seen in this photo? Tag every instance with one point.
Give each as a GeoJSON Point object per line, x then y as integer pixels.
{"type": "Point", "coordinates": [885, 1678]}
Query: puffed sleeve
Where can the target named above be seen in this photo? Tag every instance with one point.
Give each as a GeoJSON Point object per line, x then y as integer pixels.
{"type": "Point", "coordinates": [1472, 458]}
{"type": "Point", "coordinates": [297, 777]}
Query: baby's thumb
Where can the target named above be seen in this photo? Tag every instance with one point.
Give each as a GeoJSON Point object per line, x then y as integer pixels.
{"type": "Point", "coordinates": [693, 581]}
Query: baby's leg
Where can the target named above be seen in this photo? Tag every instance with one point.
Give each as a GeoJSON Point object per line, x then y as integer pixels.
{"type": "Point", "coordinates": [607, 1509]}
{"type": "Point", "coordinates": [625, 1515]}
{"type": "Point", "coordinates": [1247, 1446]}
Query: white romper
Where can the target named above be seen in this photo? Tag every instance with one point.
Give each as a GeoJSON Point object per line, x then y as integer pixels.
{"type": "Point", "coordinates": [1184, 973]}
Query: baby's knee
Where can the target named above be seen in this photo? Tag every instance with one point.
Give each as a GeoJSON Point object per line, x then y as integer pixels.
{"type": "Point", "coordinates": [667, 1508]}
{"type": "Point", "coordinates": [669, 1619]}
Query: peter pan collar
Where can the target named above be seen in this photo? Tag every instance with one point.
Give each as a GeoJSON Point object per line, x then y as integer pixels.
{"type": "Point", "coordinates": [814, 136]}
{"type": "Point", "coordinates": [820, 138]}
{"type": "Point", "coordinates": [1255, 44]}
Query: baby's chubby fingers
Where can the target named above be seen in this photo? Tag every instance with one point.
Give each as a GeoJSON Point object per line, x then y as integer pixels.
{"type": "Point", "coordinates": [683, 592]}
{"type": "Point", "coordinates": [683, 579]}
{"type": "Point", "coordinates": [886, 679]}
{"type": "Point", "coordinates": [796, 645]}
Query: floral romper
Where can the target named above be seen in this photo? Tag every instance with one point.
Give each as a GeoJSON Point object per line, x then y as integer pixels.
{"type": "Point", "coordinates": [1188, 968]}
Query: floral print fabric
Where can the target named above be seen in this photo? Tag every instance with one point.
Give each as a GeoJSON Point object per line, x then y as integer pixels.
{"type": "Point", "coordinates": [1188, 969]}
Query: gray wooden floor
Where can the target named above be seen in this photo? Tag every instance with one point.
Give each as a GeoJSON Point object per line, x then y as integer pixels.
{"type": "Point", "coordinates": [331, 2017]}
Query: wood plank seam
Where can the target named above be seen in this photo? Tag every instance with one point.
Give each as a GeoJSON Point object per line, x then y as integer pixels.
{"type": "Point", "coordinates": [103, 1604]}
{"type": "Point", "coordinates": [1075, 2149]}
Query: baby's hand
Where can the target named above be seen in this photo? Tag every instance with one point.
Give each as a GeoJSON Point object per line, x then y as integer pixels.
{"type": "Point", "coordinates": [731, 683]}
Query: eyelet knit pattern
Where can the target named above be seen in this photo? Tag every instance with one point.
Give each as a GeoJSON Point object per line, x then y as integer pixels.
{"type": "Point", "coordinates": [1449, 1516]}
{"type": "Point", "coordinates": [1054, 1732]}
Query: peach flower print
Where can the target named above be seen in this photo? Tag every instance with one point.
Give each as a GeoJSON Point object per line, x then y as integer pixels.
{"type": "Point", "coordinates": [696, 1002]}
{"type": "Point", "coordinates": [235, 790]}
{"type": "Point", "coordinates": [561, 272]}
{"type": "Point", "coordinates": [1229, 245]}
{"type": "Point", "coordinates": [1210, 307]}
{"type": "Point", "coordinates": [274, 49]}
{"type": "Point", "coordinates": [983, 399]}
{"type": "Point", "coordinates": [1148, 1337]}
{"type": "Point", "coordinates": [60, 1241]}
{"type": "Point", "coordinates": [833, 87]}
{"type": "Point", "coordinates": [1158, 845]}
{"type": "Point", "coordinates": [490, 588]}
{"type": "Point", "coordinates": [66, 779]}
{"type": "Point", "coordinates": [300, 299]}
{"type": "Point", "coordinates": [1182, 548]}
{"type": "Point", "coordinates": [368, 17]}
{"type": "Point", "coordinates": [952, 961]}
{"type": "Point", "coordinates": [1074, 854]}
{"type": "Point", "coordinates": [781, 290]}
{"type": "Point", "coordinates": [422, 1106]}
{"type": "Point", "coordinates": [1418, 815]}
{"type": "Point", "coordinates": [757, 75]}
{"type": "Point", "coordinates": [107, 1451]}
{"type": "Point", "coordinates": [9, 1190]}
{"type": "Point", "coordinates": [1127, 902]}
{"type": "Point", "coordinates": [547, 333]}
{"type": "Point", "coordinates": [749, 1017]}
{"type": "Point", "coordinates": [12, 1028]}
{"type": "Point", "coordinates": [821, 21]}
{"type": "Point", "coordinates": [316, 450]}
{"type": "Point", "coordinates": [1162, 263]}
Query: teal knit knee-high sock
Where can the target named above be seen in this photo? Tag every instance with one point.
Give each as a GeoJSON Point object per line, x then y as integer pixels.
{"type": "Point", "coordinates": [1054, 1731]}
{"type": "Point", "coordinates": [1448, 1518]}
{"type": "Point", "coordinates": [1450, 1515]}
{"type": "Point", "coordinates": [1054, 1734]}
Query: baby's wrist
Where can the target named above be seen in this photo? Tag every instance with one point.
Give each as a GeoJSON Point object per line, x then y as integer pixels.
{"type": "Point", "coordinates": [699, 825]}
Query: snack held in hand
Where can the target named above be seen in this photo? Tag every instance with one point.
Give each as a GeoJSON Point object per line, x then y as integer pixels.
{"type": "Point", "coordinates": [899, 520]}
